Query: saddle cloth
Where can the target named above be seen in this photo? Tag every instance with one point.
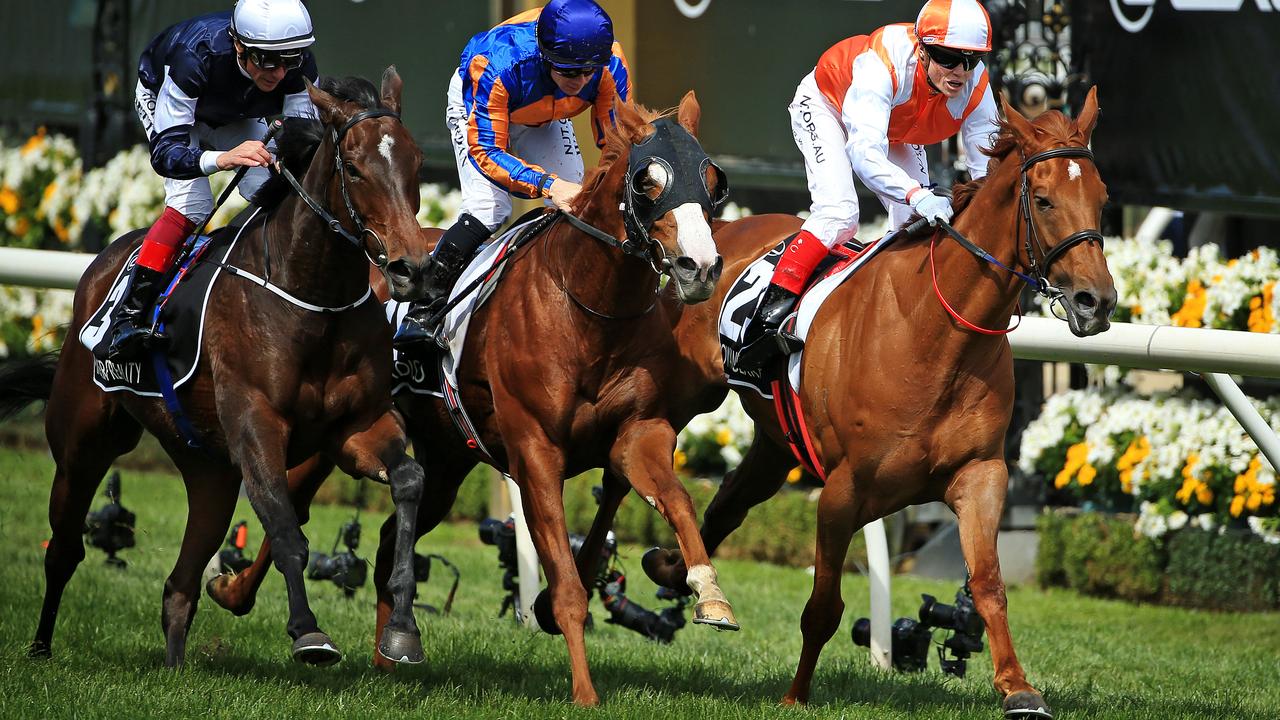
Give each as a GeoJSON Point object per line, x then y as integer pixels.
{"type": "Point", "coordinates": [743, 299]}
{"type": "Point", "coordinates": [181, 317]}
{"type": "Point", "coordinates": [420, 371]}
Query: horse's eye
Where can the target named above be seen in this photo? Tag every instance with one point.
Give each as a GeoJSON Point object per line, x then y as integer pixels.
{"type": "Point", "coordinates": [351, 170]}
{"type": "Point", "coordinates": [1043, 203]}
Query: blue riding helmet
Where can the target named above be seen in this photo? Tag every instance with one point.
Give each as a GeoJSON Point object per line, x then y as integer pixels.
{"type": "Point", "coordinates": [575, 34]}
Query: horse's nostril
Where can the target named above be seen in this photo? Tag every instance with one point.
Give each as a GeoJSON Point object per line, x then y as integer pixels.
{"type": "Point", "coordinates": [686, 263]}
{"type": "Point", "coordinates": [400, 271]}
{"type": "Point", "coordinates": [1086, 300]}
{"type": "Point", "coordinates": [717, 268]}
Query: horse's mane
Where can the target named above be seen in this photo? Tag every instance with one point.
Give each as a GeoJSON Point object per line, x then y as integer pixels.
{"type": "Point", "coordinates": [1053, 127]}
{"type": "Point", "coordinates": [615, 146]}
{"type": "Point", "coordinates": [297, 142]}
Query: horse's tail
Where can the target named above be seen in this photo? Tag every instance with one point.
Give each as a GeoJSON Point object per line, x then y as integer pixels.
{"type": "Point", "coordinates": [23, 382]}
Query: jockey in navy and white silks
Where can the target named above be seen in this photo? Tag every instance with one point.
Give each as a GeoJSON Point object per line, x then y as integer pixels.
{"type": "Point", "coordinates": [867, 110]}
{"type": "Point", "coordinates": [509, 111]}
{"type": "Point", "coordinates": [205, 88]}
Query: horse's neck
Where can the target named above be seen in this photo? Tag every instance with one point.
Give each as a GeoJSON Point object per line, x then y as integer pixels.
{"type": "Point", "coordinates": [597, 275]}
{"type": "Point", "coordinates": [979, 291]}
{"type": "Point", "coordinates": [305, 257]}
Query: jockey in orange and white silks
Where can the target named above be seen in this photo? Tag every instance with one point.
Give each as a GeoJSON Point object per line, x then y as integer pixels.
{"type": "Point", "coordinates": [867, 109]}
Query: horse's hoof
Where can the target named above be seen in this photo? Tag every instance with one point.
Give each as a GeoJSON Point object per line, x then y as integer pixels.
{"type": "Point", "coordinates": [1026, 705]}
{"type": "Point", "coordinates": [544, 614]}
{"type": "Point", "coordinates": [660, 564]}
{"type": "Point", "coordinates": [401, 647]}
{"type": "Point", "coordinates": [216, 587]}
{"type": "Point", "coordinates": [715, 613]}
{"type": "Point", "coordinates": [39, 650]}
{"type": "Point", "coordinates": [315, 648]}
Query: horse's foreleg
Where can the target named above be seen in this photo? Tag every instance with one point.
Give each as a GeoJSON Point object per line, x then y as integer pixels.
{"type": "Point", "coordinates": [440, 489]}
{"type": "Point", "coordinates": [977, 496]}
{"type": "Point", "coordinates": [211, 499]}
{"type": "Point", "coordinates": [643, 455]}
{"type": "Point", "coordinates": [838, 520]}
{"type": "Point", "coordinates": [589, 555]}
{"type": "Point", "coordinates": [379, 452]}
{"type": "Point", "coordinates": [759, 476]}
{"type": "Point", "coordinates": [237, 592]}
{"type": "Point", "coordinates": [538, 470]}
{"type": "Point", "coordinates": [260, 444]}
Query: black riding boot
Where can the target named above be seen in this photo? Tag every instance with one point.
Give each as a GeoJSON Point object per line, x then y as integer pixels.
{"type": "Point", "coordinates": [453, 251]}
{"type": "Point", "coordinates": [761, 341]}
{"type": "Point", "coordinates": [130, 326]}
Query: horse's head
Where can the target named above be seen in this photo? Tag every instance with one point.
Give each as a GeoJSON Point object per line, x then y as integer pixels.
{"type": "Point", "coordinates": [375, 181]}
{"type": "Point", "coordinates": [667, 188]}
{"type": "Point", "coordinates": [1060, 208]}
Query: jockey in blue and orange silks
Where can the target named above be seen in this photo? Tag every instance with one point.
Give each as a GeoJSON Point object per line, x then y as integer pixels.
{"type": "Point", "coordinates": [868, 109]}
{"type": "Point", "coordinates": [509, 111]}
{"type": "Point", "coordinates": [205, 87]}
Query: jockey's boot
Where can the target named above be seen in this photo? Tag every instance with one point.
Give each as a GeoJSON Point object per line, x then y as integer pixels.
{"type": "Point", "coordinates": [130, 329]}
{"type": "Point", "coordinates": [451, 255]}
{"type": "Point", "coordinates": [761, 342]}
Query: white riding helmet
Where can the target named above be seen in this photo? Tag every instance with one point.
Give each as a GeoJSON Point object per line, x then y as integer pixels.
{"type": "Point", "coordinates": [956, 24]}
{"type": "Point", "coordinates": [273, 25]}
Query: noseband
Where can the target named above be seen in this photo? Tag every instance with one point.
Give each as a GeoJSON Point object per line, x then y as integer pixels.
{"type": "Point", "coordinates": [336, 135]}
{"type": "Point", "coordinates": [1040, 270]}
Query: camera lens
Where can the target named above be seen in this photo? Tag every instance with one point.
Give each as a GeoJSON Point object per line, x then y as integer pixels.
{"type": "Point", "coordinates": [489, 529]}
{"type": "Point", "coordinates": [862, 632]}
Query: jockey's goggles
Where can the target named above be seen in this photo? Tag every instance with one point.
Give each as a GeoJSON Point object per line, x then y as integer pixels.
{"type": "Point", "coordinates": [574, 72]}
{"type": "Point", "coordinates": [268, 60]}
{"type": "Point", "coordinates": [948, 59]}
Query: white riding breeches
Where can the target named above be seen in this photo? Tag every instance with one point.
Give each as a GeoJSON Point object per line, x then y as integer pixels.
{"type": "Point", "coordinates": [821, 136]}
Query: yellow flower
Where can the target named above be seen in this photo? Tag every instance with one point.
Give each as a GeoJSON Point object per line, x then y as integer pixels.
{"type": "Point", "coordinates": [1137, 451]}
{"type": "Point", "coordinates": [1087, 474]}
{"type": "Point", "coordinates": [1136, 310]}
{"type": "Point", "coordinates": [34, 142]}
{"type": "Point", "coordinates": [1260, 317]}
{"type": "Point", "coordinates": [795, 475]}
{"type": "Point", "coordinates": [49, 190]}
{"type": "Point", "coordinates": [1237, 505]}
{"type": "Point", "coordinates": [1193, 307]}
{"type": "Point", "coordinates": [37, 329]}
{"type": "Point", "coordinates": [679, 459]}
{"type": "Point", "coordinates": [1077, 458]}
{"type": "Point", "coordinates": [21, 227]}
{"type": "Point", "coordinates": [724, 437]}
{"type": "Point", "coordinates": [61, 230]}
{"type": "Point", "coordinates": [9, 200]}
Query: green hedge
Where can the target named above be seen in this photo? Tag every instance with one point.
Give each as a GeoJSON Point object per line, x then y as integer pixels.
{"type": "Point", "coordinates": [779, 531]}
{"type": "Point", "coordinates": [1099, 554]}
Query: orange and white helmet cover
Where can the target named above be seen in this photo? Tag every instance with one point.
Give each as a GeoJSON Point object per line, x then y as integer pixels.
{"type": "Point", "coordinates": [957, 24]}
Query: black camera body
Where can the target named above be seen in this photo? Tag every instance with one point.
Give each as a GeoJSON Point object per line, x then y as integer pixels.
{"type": "Point", "coordinates": [502, 535]}
{"type": "Point", "coordinates": [660, 626]}
{"type": "Point", "coordinates": [110, 528]}
{"type": "Point", "coordinates": [910, 638]}
{"type": "Point", "coordinates": [346, 569]}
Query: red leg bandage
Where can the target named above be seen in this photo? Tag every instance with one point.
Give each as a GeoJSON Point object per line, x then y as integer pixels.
{"type": "Point", "coordinates": [798, 262]}
{"type": "Point", "coordinates": [163, 240]}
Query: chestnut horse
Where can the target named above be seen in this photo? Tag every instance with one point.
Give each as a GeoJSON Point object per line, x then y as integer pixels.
{"type": "Point", "coordinates": [903, 403]}
{"type": "Point", "coordinates": [567, 367]}
{"type": "Point", "coordinates": [279, 382]}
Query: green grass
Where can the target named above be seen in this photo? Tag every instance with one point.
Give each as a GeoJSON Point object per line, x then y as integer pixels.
{"type": "Point", "coordinates": [1092, 658]}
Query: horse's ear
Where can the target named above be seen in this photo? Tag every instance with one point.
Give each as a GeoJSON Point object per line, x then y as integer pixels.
{"type": "Point", "coordinates": [690, 112]}
{"type": "Point", "coordinates": [630, 122]}
{"type": "Point", "coordinates": [1022, 129]}
{"type": "Point", "coordinates": [1087, 119]}
{"type": "Point", "coordinates": [391, 86]}
{"type": "Point", "coordinates": [330, 107]}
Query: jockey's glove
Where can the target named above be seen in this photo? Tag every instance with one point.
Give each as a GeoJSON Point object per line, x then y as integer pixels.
{"type": "Point", "coordinates": [932, 207]}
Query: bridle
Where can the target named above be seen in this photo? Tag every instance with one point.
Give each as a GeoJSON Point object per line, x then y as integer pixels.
{"type": "Point", "coordinates": [1040, 270]}
{"type": "Point", "coordinates": [1037, 277]}
{"type": "Point", "coordinates": [357, 238]}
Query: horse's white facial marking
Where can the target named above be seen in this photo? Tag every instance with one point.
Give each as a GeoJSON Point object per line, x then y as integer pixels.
{"type": "Point", "coordinates": [1073, 170]}
{"type": "Point", "coordinates": [693, 235]}
{"type": "Point", "coordinates": [384, 147]}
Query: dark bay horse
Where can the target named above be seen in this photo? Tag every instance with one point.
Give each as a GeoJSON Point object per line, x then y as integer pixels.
{"type": "Point", "coordinates": [904, 404]}
{"type": "Point", "coordinates": [572, 365]}
{"type": "Point", "coordinates": [278, 382]}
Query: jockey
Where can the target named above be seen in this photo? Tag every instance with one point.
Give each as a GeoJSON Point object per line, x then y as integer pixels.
{"type": "Point", "coordinates": [205, 87]}
{"type": "Point", "coordinates": [509, 109]}
{"type": "Point", "coordinates": [868, 109]}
